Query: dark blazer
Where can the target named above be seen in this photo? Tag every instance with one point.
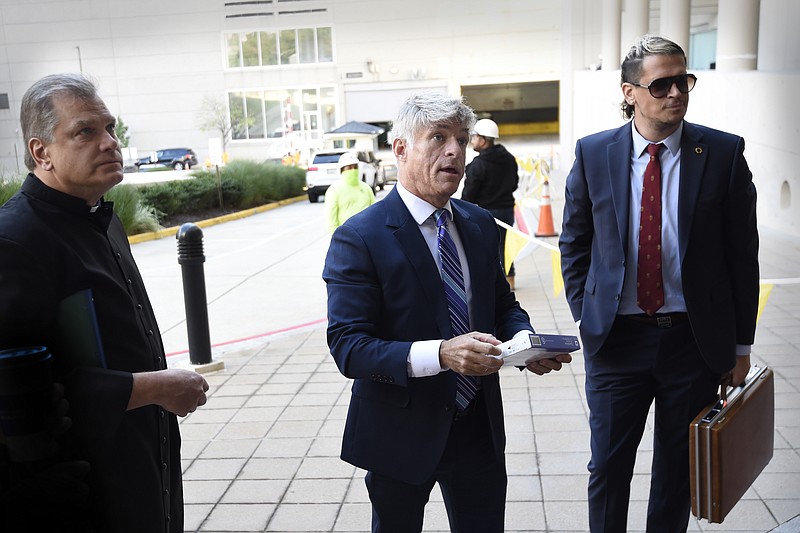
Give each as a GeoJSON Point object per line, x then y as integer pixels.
{"type": "Point", "coordinates": [384, 292]}
{"type": "Point", "coordinates": [50, 248]}
{"type": "Point", "coordinates": [716, 228]}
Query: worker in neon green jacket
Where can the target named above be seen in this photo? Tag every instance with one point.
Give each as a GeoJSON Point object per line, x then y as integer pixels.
{"type": "Point", "coordinates": [347, 196]}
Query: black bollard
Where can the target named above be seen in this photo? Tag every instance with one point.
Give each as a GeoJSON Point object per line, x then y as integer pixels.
{"type": "Point", "coordinates": [191, 259]}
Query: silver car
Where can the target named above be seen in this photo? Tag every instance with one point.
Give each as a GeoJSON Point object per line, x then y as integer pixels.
{"type": "Point", "coordinates": [324, 171]}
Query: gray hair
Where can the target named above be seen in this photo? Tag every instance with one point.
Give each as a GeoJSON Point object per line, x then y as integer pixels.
{"type": "Point", "coordinates": [631, 68]}
{"type": "Point", "coordinates": [38, 116]}
{"type": "Point", "coordinates": [423, 111]}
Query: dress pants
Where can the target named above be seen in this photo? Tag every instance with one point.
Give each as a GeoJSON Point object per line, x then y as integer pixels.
{"type": "Point", "coordinates": [473, 484]}
{"type": "Point", "coordinates": [638, 364]}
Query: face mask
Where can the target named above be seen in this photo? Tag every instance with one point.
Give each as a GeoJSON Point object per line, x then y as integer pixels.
{"type": "Point", "coordinates": [350, 176]}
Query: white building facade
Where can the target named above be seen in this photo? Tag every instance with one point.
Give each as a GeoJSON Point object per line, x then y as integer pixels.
{"type": "Point", "coordinates": [289, 70]}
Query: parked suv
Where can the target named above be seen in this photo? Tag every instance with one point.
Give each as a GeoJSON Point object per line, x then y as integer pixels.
{"type": "Point", "coordinates": [175, 158]}
{"type": "Point", "coordinates": [324, 171]}
{"type": "Point", "coordinates": [388, 166]}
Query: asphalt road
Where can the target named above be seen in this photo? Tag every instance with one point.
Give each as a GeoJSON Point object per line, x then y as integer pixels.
{"type": "Point", "coordinates": [263, 274]}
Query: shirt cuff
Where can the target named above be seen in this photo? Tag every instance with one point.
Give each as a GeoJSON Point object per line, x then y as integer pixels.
{"type": "Point", "coordinates": [743, 349]}
{"type": "Point", "coordinates": [522, 332]}
{"type": "Point", "coordinates": [423, 358]}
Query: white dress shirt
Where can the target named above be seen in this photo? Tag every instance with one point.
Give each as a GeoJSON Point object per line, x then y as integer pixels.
{"type": "Point", "coordinates": [423, 358]}
{"type": "Point", "coordinates": [670, 157]}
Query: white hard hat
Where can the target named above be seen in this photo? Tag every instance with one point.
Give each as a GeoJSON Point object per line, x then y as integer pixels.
{"type": "Point", "coordinates": [486, 128]}
{"type": "Point", "coordinates": [347, 159]}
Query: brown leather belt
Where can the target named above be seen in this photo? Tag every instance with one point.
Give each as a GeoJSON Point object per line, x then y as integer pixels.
{"type": "Point", "coordinates": [664, 320]}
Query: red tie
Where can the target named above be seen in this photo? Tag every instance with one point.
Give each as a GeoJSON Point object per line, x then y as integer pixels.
{"type": "Point", "coordinates": [650, 290]}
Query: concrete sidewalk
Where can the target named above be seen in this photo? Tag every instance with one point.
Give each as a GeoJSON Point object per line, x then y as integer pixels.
{"type": "Point", "coordinates": [263, 454]}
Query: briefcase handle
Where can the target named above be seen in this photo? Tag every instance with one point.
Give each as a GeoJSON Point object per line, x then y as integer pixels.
{"type": "Point", "coordinates": [724, 383]}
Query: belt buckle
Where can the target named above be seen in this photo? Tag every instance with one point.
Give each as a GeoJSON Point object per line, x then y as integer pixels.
{"type": "Point", "coordinates": [664, 321]}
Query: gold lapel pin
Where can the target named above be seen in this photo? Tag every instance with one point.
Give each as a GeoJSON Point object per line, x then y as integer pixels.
{"type": "Point", "coordinates": [698, 150]}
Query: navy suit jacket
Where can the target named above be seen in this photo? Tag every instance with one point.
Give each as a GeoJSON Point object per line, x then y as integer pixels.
{"type": "Point", "coordinates": [718, 238]}
{"type": "Point", "coordinates": [385, 292]}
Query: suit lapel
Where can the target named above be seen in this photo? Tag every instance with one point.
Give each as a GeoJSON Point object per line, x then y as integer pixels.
{"type": "Point", "coordinates": [693, 162]}
{"type": "Point", "coordinates": [470, 234]}
{"type": "Point", "coordinates": [619, 172]}
{"type": "Point", "coordinates": [406, 231]}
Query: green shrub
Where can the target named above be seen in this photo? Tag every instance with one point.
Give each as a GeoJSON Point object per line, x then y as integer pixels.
{"type": "Point", "coordinates": [264, 182]}
{"type": "Point", "coordinates": [136, 217]}
{"type": "Point", "coordinates": [244, 184]}
{"type": "Point", "coordinates": [198, 194]}
{"type": "Point", "coordinates": [8, 189]}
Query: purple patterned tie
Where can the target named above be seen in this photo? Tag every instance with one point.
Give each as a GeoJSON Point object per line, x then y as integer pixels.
{"type": "Point", "coordinates": [453, 280]}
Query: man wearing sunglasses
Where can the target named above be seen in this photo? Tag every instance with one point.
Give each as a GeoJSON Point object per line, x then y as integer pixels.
{"type": "Point", "coordinates": [665, 290]}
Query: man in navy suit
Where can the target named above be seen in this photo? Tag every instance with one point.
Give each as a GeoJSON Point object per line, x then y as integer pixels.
{"type": "Point", "coordinates": [389, 329]}
{"type": "Point", "coordinates": [671, 345]}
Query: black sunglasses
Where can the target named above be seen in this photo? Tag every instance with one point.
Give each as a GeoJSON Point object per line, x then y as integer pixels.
{"type": "Point", "coordinates": [660, 88]}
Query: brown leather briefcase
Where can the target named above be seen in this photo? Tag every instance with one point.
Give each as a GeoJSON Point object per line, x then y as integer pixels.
{"type": "Point", "coordinates": [730, 443]}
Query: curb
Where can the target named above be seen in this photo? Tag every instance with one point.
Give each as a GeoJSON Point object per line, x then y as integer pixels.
{"type": "Point", "coordinates": [172, 231]}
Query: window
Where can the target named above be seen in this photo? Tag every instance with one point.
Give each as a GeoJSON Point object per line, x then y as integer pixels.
{"type": "Point", "coordinates": [307, 46]}
{"type": "Point", "coordinates": [344, 143]}
{"type": "Point", "coordinates": [274, 114]}
{"type": "Point", "coordinates": [285, 47]}
{"type": "Point", "coordinates": [292, 114]}
{"type": "Point", "coordinates": [254, 107]}
{"type": "Point", "coordinates": [324, 45]}
{"type": "Point", "coordinates": [238, 119]}
{"type": "Point", "coordinates": [250, 49]}
{"type": "Point", "coordinates": [234, 50]}
{"type": "Point", "coordinates": [269, 48]}
{"type": "Point", "coordinates": [327, 108]}
{"type": "Point", "coordinates": [703, 50]}
{"type": "Point", "coordinates": [257, 114]}
{"type": "Point", "coordinates": [288, 47]}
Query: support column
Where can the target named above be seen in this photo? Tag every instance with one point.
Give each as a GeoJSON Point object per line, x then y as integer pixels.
{"type": "Point", "coordinates": [635, 23]}
{"type": "Point", "coordinates": [612, 19]}
{"type": "Point", "coordinates": [737, 35]}
{"type": "Point", "coordinates": [675, 22]}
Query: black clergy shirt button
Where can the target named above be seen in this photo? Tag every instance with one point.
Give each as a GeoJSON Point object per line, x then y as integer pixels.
{"type": "Point", "coordinates": [150, 332]}
{"type": "Point", "coordinates": [139, 307]}
{"type": "Point", "coordinates": [163, 466]}
{"type": "Point", "coordinates": [129, 282]}
{"type": "Point", "coordinates": [119, 255]}
{"type": "Point", "coordinates": [163, 440]}
{"type": "Point", "coordinates": [163, 414]}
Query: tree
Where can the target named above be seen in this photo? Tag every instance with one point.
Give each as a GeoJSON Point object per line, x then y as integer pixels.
{"type": "Point", "coordinates": [121, 131]}
{"type": "Point", "coordinates": [213, 116]}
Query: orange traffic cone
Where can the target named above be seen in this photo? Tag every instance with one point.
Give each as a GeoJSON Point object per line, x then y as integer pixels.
{"type": "Point", "coordinates": [545, 228]}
